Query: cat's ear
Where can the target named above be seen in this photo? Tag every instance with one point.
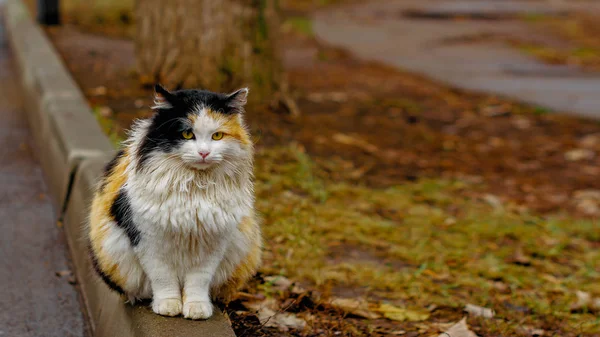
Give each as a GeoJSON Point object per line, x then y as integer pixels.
{"type": "Point", "coordinates": [237, 100]}
{"type": "Point", "coordinates": [163, 99]}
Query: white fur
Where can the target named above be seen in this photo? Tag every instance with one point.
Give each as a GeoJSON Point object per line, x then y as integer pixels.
{"type": "Point", "coordinates": [188, 214]}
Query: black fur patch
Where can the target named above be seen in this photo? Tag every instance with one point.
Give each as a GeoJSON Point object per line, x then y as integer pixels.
{"type": "Point", "coordinates": [121, 212]}
{"type": "Point", "coordinates": [167, 125]}
{"type": "Point", "coordinates": [109, 167]}
{"type": "Point", "coordinates": [110, 283]}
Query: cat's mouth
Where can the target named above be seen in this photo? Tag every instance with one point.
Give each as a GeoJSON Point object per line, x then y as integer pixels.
{"type": "Point", "coordinates": [203, 164]}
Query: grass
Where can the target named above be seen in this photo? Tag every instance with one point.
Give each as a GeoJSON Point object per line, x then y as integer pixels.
{"type": "Point", "coordinates": [300, 25]}
{"type": "Point", "coordinates": [425, 243]}
{"type": "Point", "coordinates": [108, 126]}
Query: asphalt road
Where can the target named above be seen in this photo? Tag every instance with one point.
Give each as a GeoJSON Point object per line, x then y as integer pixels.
{"type": "Point", "coordinates": [458, 53]}
{"type": "Point", "coordinates": [34, 301]}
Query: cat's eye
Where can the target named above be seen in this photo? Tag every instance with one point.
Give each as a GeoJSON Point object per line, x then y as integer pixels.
{"type": "Point", "coordinates": [187, 134]}
{"type": "Point", "coordinates": [217, 135]}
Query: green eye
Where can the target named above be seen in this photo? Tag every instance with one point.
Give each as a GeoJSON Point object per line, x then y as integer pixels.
{"type": "Point", "coordinates": [187, 134]}
{"type": "Point", "coordinates": [217, 136]}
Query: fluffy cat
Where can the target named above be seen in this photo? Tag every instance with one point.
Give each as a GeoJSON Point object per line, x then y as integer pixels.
{"type": "Point", "coordinates": [173, 217]}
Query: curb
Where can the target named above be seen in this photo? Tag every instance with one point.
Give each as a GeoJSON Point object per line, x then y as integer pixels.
{"type": "Point", "coordinates": [73, 151]}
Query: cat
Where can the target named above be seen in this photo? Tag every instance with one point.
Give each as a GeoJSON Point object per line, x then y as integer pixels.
{"type": "Point", "coordinates": [173, 217]}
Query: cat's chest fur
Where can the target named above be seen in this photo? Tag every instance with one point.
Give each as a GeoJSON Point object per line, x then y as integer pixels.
{"type": "Point", "coordinates": [208, 210]}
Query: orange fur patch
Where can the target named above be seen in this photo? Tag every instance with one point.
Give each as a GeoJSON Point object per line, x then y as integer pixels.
{"type": "Point", "coordinates": [231, 126]}
{"type": "Point", "coordinates": [100, 218]}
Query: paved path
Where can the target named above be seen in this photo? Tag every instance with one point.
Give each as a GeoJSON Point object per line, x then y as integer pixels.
{"type": "Point", "coordinates": [33, 300]}
{"type": "Point", "coordinates": [460, 52]}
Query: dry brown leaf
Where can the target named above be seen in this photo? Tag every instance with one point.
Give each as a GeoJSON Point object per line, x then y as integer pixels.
{"type": "Point", "coordinates": [105, 111]}
{"type": "Point", "coordinates": [270, 303]}
{"type": "Point", "coordinates": [493, 201]}
{"type": "Point", "coordinates": [459, 329]}
{"type": "Point", "coordinates": [357, 307]}
{"type": "Point", "coordinates": [98, 91]}
{"type": "Point", "coordinates": [281, 321]}
{"type": "Point", "coordinates": [579, 154]}
{"type": "Point", "coordinates": [531, 331]}
{"type": "Point", "coordinates": [585, 301]}
{"type": "Point", "coordinates": [355, 141]}
{"type": "Point", "coordinates": [402, 314]}
{"type": "Point", "coordinates": [476, 310]}
{"type": "Point", "coordinates": [520, 258]}
{"type": "Point", "coordinates": [590, 141]}
{"type": "Point", "coordinates": [279, 282]}
{"type": "Point", "coordinates": [63, 273]}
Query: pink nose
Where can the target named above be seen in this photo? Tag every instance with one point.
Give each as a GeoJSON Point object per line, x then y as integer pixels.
{"type": "Point", "coordinates": [204, 154]}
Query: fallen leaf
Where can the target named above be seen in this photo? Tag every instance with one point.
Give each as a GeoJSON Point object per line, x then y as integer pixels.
{"type": "Point", "coordinates": [357, 307]}
{"type": "Point", "coordinates": [105, 111]}
{"type": "Point", "coordinates": [459, 329]}
{"type": "Point", "coordinates": [590, 141]}
{"type": "Point", "coordinates": [587, 201]}
{"type": "Point", "coordinates": [521, 123]}
{"type": "Point", "coordinates": [402, 314]}
{"type": "Point", "coordinates": [282, 321]}
{"type": "Point", "coordinates": [531, 331]}
{"type": "Point", "coordinates": [520, 258]}
{"type": "Point", "coordinates": [63, 273]}
{"type": "Point", "coordinates": [279, 282]}
{"type": "Point", "coordinates": [493, 201]}
{"type": "Point", "coordinates": [500, 286]}
{"type": "Point", "coordinates": [585, 302]}
{"type": "Point", "coordinates": [476, 310]}
{"type": "Point", "coordinates": [355, 141]}
{"type": "Point", "coordinates": [249, 297]}
{"type": "Point", "coordinates": [269, 303]}
{"type": "Point", "coordinates": [98, 91]}
{"type": "Point", "coordinates": [579, 154]}
{"type": "Point", "coordinates": [297, 290]}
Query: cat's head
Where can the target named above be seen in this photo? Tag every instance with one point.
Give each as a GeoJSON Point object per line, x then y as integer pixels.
{"type": "Point", "coordinates": [201, 129]}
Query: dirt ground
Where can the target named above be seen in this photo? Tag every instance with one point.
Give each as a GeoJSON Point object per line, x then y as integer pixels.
{"type": "Point", "coordinates": [369, 130]}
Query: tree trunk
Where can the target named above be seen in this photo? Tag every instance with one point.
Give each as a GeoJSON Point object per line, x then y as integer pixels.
{"type": "Point", "coordinates": [218, 45]}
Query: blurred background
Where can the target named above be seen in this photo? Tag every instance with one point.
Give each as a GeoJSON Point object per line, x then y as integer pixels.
{"type": "Point", "coordinates": [413, 157]}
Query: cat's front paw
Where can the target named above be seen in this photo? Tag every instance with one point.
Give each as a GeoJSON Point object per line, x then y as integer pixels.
{"type": "Point", "coordinates": [197, 310]}
{"type": "Point", "coordinates": [167, 306]}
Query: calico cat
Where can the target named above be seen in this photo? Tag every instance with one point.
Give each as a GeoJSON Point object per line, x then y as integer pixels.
{"type": "Point", "coordinates": [173, 217]}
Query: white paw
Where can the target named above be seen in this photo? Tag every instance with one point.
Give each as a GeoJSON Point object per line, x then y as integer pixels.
{"type": "Point", "coordinates": [197, 310]}
{"type": "Point", "coordinates": [167, 306]}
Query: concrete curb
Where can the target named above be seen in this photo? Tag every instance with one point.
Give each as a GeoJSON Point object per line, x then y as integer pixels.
{"type": "Point", "coordinates": [73, 151]}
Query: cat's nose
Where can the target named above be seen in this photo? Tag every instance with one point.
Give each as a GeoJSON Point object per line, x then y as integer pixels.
{"type": "Point", "coordinates": [204, 154]}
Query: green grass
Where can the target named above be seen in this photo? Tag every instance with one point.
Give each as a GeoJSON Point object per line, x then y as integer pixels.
{"type": "Point", "coordinates": [108, 126]}
{"type": "Point", "coordinates": [425, 243]}
{"type": "Point", "coordinates": [300, 25]}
